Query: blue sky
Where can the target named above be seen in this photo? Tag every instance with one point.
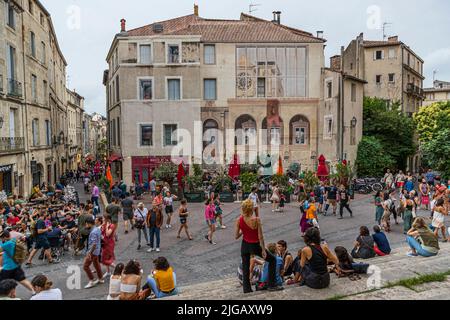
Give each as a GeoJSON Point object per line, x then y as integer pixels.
{"type": "Point", "coordinates": [85, 28]}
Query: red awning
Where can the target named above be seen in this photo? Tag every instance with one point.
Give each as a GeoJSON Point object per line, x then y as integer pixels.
{"type": "Point", "coordinates": [114, 158]}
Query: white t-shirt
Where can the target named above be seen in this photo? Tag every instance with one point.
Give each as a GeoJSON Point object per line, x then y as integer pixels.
{"type": "Point", "coordinates": [52, 294]}
{"type": "Point", "coordinates": [254, 197]}
{"type": "Point", "coordinates": [168, 201]}
{"type": "Point", "coordinates": [143, 213]}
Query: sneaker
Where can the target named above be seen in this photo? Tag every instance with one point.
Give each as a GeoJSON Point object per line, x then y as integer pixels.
{"type": "Point", "coordinates": [213, 243]}
{"type": "Point", "coordinates": [277, 288]}
{"type": "Point", "coordinates": [126, 231]}
{"type": "Point", "coordinates": [410, 254]}
{"type": "Point", "coordinates": [206, 237]}
{"type": "Point", "coordinates": [91, 284]}
{"type": "Point", "coordinates": [167, 226]}
{"type": "Point", "coordinates": [170, 226]}
{"type": "Point", "coordinates": [54, 261]}
{"type": "Point", "coordinates": [223, 227]}
{"type": "Point", "coordinates": [158, 250]}
{"type": "Point", "coordinates": [340, 218]}
{"type": "Point", "coordinates": [101, 281]}
{"type": "Point", "coordinates": [150, 250]}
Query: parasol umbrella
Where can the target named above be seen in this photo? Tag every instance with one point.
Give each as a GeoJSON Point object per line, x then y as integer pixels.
{"type": "Point", "coordinates": [322, 170]}
{"type": "Point", "coordinates": [109, 177]}
{"type": "Point", "coordinates": [280, 167]}
{"type": "Point", "coordinates": [234, 169]}
{"type": "Point", "coordinates": [181, 174]}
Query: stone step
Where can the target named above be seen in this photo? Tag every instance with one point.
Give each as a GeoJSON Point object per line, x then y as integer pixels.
{"type": "Point", "coordinates": [392, 268]}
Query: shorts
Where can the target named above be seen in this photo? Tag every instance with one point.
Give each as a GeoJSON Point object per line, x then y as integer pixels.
{"type": "Point", "coordinates": [218, 213]}
{"type": "Point", "coordinates": [332, 202]}
{"type": "Point", "coordinates": [15, 274]}
{"type": "Point", "coordinates": [183, 220]}
{"type": "Point", "coordinates": [211, 222]}
{"type": "Point", "coordinates": [128, 216]}
{"type": "Point", "coordinates": [42, 244]}
{"type": "Point", "coordinates": [169, 209]}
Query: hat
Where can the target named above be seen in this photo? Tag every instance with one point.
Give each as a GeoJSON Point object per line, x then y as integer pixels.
{"type": "Point", "coordinates": [306, 205]}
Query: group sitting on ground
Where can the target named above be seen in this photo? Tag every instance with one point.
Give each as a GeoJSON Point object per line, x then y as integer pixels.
{"type": "Point", "coordinates": [314, 263]}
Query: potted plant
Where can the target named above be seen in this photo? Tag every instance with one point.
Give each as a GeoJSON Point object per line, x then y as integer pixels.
{"type": "Point", "coordinates": [194, 184]}
{"type": "Point", "coordinates": [310, 179]}
{"type": "Point", "coordinates": [344, 175]}
{"type": "Point", "coordinates": [166, 172]}
{"type": "Point", "coordinates": [248, 180]}
{"type": "Point", "coordinates": [222, 183]}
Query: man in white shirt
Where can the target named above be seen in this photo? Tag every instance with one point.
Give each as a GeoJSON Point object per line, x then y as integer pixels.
{"type": "Point", "coordinates": [140, 217]}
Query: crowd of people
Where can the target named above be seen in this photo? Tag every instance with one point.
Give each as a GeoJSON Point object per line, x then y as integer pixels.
{"type": "Point", "coordinates": [53, 222]}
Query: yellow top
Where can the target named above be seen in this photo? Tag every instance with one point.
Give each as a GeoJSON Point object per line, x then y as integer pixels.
{"type": "Point", "coordinates": [311, 212]}
{"type": "Point", "coordinates": [164, 280]}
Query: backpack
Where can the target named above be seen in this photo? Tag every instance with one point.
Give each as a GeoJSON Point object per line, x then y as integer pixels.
{"type": "Point", "coordinates": [20, 252]}
{"type": "Point", "coordinates": [33, 228]}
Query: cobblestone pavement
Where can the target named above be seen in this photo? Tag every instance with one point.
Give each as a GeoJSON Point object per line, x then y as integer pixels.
{"type": "Point", "coordinates": [198, 261]}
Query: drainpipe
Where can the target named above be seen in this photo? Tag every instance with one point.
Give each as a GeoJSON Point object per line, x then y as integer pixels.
{"type": "Point", "coordinates": [25, 124]}
{"type": "Point", "coordinates": [341, 107]}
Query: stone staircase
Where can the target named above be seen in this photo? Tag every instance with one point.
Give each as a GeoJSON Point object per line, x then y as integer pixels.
{"type": "Point", "coordinates": [384, 270]}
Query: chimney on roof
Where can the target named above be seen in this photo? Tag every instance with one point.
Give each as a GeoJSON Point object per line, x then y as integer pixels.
{"type": "Point", "coordinates": [393, 39]}
{"type": "Point", "coordinates": [195, 9]}
{"type": "Point", "coordinates": [276, 17]}
{"type": "Point", "coordinates": [320, 34]}
{"type": "Point", "coordinates": [335, 63]}
{"type": "Point", "coordinates": [123, 27]}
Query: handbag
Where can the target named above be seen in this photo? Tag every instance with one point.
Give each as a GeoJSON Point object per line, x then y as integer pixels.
{"type": "Point", "coordinates": [139, 224]}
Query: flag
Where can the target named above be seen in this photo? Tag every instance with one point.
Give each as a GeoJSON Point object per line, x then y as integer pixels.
{"type": "Point", "coordinates": [109, 177]}
{"type": "Point", "coordinates": [181, 174]}
{"type": "Point", "coordinates": [280, 167]}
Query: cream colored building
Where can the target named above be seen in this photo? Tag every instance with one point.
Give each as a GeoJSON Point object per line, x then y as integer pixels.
{"type": "Point", "coordinates": [206, 76]}
{"type": "Point", "coordinates": [75, 110]}
{"type": "Point", "coordinates": [439, 93]}
{"type": "Point", "coordinates": [13, 161]}
{"type": "Point", "coordinates": [393, 71]}
{"type": "Point", "coordinates": [33, 104]}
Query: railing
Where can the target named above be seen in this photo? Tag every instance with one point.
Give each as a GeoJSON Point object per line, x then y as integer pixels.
{"type": "Point", "coordinates": [415, 90]}
{"type": "Point", "coordinates": [11, 144]}
{"type": "Point", "coordinates": [14, 88]}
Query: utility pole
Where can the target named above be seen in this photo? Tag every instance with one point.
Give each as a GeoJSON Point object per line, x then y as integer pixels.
{"type": "Point", "coordinates": [385, 26]}
{"type": "Point", "coordinates": [253, 7]}
{"type": "Point", "coordinates": [434, 75]}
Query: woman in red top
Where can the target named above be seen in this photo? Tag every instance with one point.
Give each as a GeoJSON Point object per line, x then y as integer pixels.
{"type": "Point", "coordinates": [250, 229]}
{"type": "Point", "coordinates": [210, 217]}
{"type": "Point", "coordinates": [108, 244]}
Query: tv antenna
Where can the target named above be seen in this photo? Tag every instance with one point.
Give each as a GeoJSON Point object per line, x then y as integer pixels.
{"type": "Point", "coordinates": [434, 75]}
{"type": "Point", "coordinates": [385, 26]}
{"type": "Point", "coordinates": [253, 7]}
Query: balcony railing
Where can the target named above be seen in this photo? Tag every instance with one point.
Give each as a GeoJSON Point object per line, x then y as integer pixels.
{"type": "Point", "coordinates": [14, 88]}
{"type": "Point", "coordinates": [11, 144]}
{"type": "Point", "coordinates": [411, 88]}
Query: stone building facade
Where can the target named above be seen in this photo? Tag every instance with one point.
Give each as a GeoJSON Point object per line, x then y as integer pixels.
{"type": "Point", "coordinates": [34, 145]}
{"type": "Point", "coordinates": [258, 78]}
{"type": "Point", "coordinates": [439, 93]}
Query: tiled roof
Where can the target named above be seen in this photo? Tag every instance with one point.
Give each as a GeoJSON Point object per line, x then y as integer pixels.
{"type": "Point", "coordinates": [248, 29]}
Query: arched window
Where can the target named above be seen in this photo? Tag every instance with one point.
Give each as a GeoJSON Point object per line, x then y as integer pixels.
{"type": "Point", "coordinates": [248, 126]}
{"type": "Point", "coordinates": [275, 132]}
{"type": "Point", "coordinates": [210, 132]}
{"type": "Point", "coordinates": [299, 131]}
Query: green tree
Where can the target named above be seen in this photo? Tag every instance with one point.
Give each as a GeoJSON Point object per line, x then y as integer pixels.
{"type": "Point", "coordinates": [437, 151]}
{"type": "Point", "coordinates": [372, 159]}
{"type": "Point", "coordinates": [393, 129]}
{"type": "Point", "coordinates": [430, 120]}
{"type": "Point", "coordinates": [166, 172]}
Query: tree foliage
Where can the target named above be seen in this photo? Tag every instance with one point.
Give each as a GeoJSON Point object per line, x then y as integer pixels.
{"type": "Point", "coordinates": [430, 120]}
{"type": "Point", "coordinates": [433, 127]}
{"type": "Point", "coordinates": [166, 172]}
{"type": "Point", "coordinates": [393, 129]}
{"type": "Point", "coordinates": [372, 158]}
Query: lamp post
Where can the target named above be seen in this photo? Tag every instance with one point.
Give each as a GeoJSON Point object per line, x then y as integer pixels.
{"type": "Point", "coordinates": [353, 122]}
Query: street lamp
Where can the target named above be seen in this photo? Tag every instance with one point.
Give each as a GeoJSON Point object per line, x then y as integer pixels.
{"type": "Point", "coordinates": [353, 122]}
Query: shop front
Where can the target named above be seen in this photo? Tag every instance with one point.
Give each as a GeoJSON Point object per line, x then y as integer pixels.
{"type": "Point", "coordinates": [143, 167]}
{"type": "Point", "coordinates": [6, 176]}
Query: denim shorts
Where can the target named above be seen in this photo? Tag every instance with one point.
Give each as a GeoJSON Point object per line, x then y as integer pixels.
{"type": "Point", "coordinates": [211, 222]}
